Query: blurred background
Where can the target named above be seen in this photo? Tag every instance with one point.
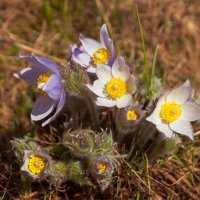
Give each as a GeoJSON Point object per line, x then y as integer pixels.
{"type": "Point", "coordinates": [47, 28]}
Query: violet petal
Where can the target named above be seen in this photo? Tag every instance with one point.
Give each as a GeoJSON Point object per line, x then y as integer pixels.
{"type": "Point", "coordinates": [42, 108]}
{"type": "Point", "coordinates": [53, 87]}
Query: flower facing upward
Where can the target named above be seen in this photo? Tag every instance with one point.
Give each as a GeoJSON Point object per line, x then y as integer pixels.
{"type": "Point", "coordinates": [102, 165]}
{"type": "Point", "coordinates": [115, 85]}
{"type": "Point", "coordinates": [174, 111]}
{"type": "Point", "coordinates": [133, 114]}
{"type": "Point", "coordinates": [35, 163]}
{"type": "Point", "coordinates": [92, 53]}
{"type": "Point", "coordinates": [45, 75]}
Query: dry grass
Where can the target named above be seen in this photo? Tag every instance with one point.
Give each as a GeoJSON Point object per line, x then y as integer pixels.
{"type": "Point", "coordinates": [48, 27]}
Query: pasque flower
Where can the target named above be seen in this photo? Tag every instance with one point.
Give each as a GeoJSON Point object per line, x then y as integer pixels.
{"type": "Point", "coordinates": [92, 53]}
{"type": "Point", "coordinates": [174, 111]}
{"type": "Point", "coordinates": [133, 114]}
{"type": "Point", "coordinates": [36, 163]}
{"type": "Point", "coordinates": [102, 165]}
{"type": "Point", "coordinates": [115, 85]}
{"type": "Point", "coordinates": [45, 75]}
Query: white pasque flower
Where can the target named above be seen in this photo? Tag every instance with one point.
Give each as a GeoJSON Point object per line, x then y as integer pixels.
{"type": "Point", "coordinates": [174, 111]}
{"type": "Point", "coordinates": [35, 163]}
{"type": "Point", "coordinates": [115, 85]}
{"type": "Point", "coordinates": [92, 53]}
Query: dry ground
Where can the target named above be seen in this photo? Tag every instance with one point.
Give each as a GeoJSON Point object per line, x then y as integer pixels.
{"type": "Point", "coordinates": [48, 28]}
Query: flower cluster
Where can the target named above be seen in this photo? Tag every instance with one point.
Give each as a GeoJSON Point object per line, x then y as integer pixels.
{"type": "Point", "coordinates": [105, 109]}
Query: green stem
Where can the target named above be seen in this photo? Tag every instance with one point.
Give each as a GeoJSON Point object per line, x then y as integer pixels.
{"type": "Point", "coordinates": [146, 69]}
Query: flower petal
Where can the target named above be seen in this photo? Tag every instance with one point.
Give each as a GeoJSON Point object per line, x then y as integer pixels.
{"type": "Point", "coordinates": [30, 75]}
{"type": "Point", "coordinates": [106, 40]}
{"type": "Point", "coordinates": [124, 101]}
{"type": "Point", "coordinates": [91, 70]}
{"type": "Point", "coordinates": [97, 88]}
{"type": "Point", "coordinates": [164, 128]}
{"type": "Point", "coordinates": [155, 116]}
{"type": "Point", "coordinates": [90, 45]}
{"type": "Point", "coordinates": [59, 107]}
{"type": "Point", "coordinates": [103, 72]}
{"type": "Point", "coordinates": [42, 108]}
{"type": "Point", "coordinates": [191, 111]}
{"type": "Point", "coordinates": [81, 58]}
{"type": "Point", "coordinates": [183, 127]}
{"type": "Point", "coordinates": [120, 69]}
{"type": "Point", "coordinates": [131, 84]}
{"type": "Point", "coordinates": [49, 64]}
{"type": "Point", "coordinates": [105, 102]}
{"type": "Point", "coordinates": [43, 64]}
{"type": "Point", "coordinates": [53, 87]}
{"type": "Point", "coordinates": [180, 94]}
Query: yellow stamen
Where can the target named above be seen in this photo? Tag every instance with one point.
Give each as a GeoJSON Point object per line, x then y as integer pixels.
{"type": "Point", "coordinates": [42, 80]}
{"type": "Point", "coordinates": [102, 166]}
{"type": "Point", "coordinates": [131, 115]}
{"type": "Point", "coordinates": [116, 88]}
{"type": "Point", "coordinates": [101, 56]}
{"type": "Point", "coordinates": [170, 112]}
{"type": "Point", "coordinates": [36, 164]}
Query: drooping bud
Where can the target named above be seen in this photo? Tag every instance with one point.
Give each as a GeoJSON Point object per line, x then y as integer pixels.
{"type": "Point", "coordinates": [75, 78]}
{"type": "Point", "coordinates": [79, 142]}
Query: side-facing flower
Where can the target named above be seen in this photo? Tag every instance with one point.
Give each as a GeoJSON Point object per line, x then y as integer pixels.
{"type": "Point", "coordinates": [92, 53]}
{"type": "Point", "coordinates": [133, 114]}
{"type": "Point", "coordinates": [36, 163]}
{"type": "Point", "coordinates": [115, 85]}
{"type": "Point", "coordinates": [102, 165]}
{"type": "Point", "coordinates": [174, 111]}
{"type": "Point", "coordinates": [45, 75]}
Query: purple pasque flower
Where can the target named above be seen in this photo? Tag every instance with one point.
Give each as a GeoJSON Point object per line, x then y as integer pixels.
{"type": "Point", "coordinates": [133, 114]}
{"type": "Point", "coordinates": [92, 53]}
{"type": "Point", "coordinates": [45, 75]}
{"type": "Point", "coordinates": [102, 165]}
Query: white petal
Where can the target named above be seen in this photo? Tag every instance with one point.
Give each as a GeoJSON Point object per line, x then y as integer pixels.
{"type": "Point", "coordinates": [155, 116]}
{"type": "Point", "coordinates": [90, 45]}
{"type": "Point", "coordinates": [91, 70]}
{"type": "Point", "coordinates": [105, 102]}
{"type": "Point", "coordinates": [82, 59]}
{"type": "Point", "coordinates": [180, 94]}
{"type": "Point", "coordinates": [120, 69]}
{"type": "Point", "coordinates": [97, 88]}
{"type": "Point", "coordinates": [191, 111]}
{"type": "Point", "coordinates": [131, 84]}
{"type": "Point", "coordinates": [183, 127]}
{"type": "Point", "coordinates": [124, 101]}
{"type": "Point", "coordinates": [103, 72]}
{"type": "Point", "coordinates": [164, 128]}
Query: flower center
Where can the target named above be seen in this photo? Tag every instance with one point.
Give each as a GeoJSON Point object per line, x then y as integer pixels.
{"type": "Point", "coordinates": [102, 166]}
{"type": "Point", "coordinates": [101, 56]}
{"type": "Point", "coordinates": [36, 164]}
{"type": "Point", "coordinates": [131, 115]}
{"type": "Point", "coordinates": [170, 112]}
{"type": "Point", "coordinates": [42, 79]}
{"type": "Point", "coordinates": [116, 88]}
